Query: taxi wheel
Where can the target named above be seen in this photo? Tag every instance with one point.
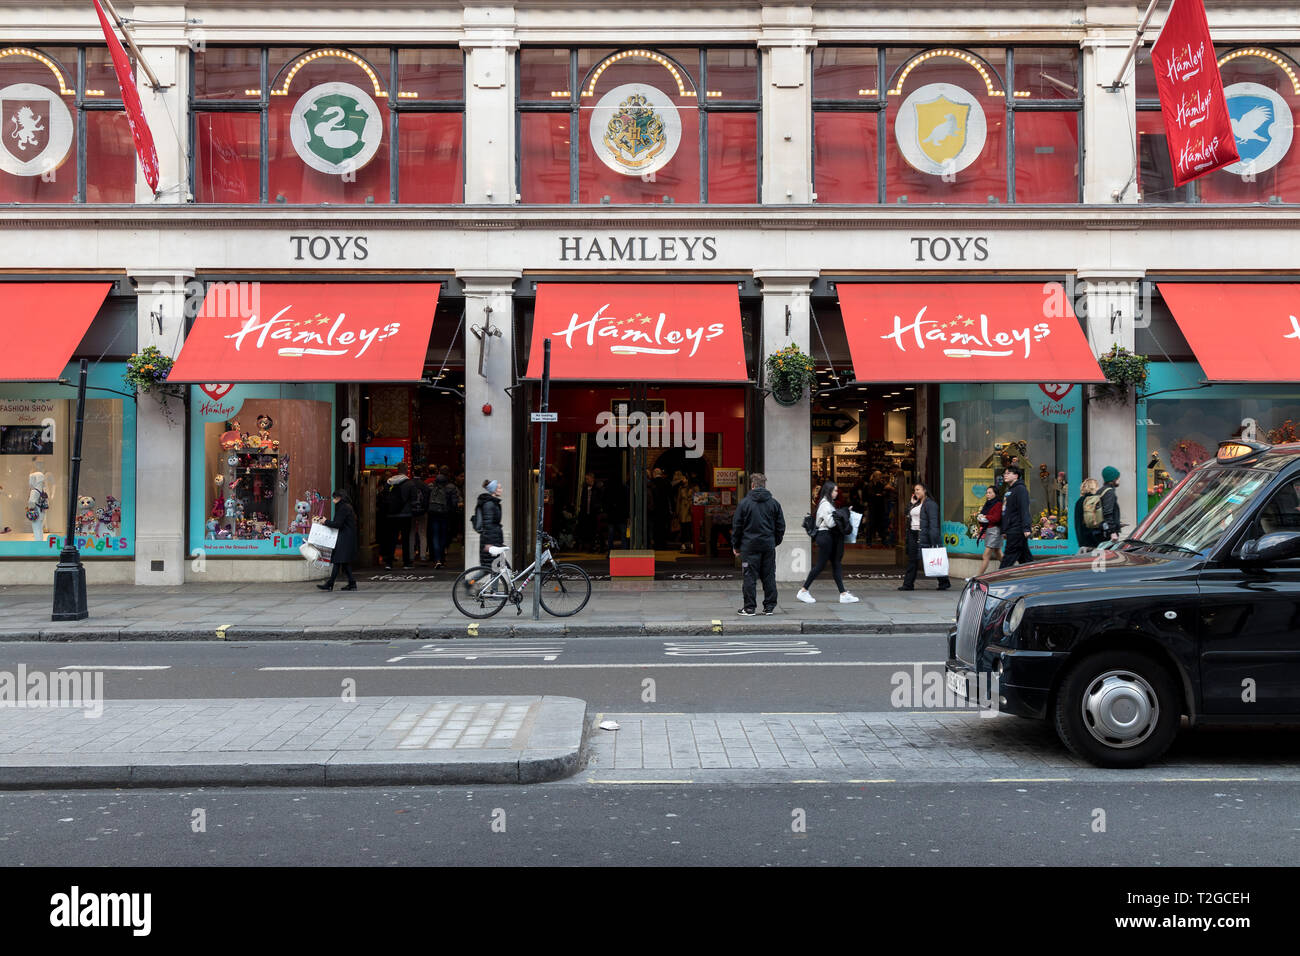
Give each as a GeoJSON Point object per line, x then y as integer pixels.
{"type": "Point", "coordinates": [1118, 709]}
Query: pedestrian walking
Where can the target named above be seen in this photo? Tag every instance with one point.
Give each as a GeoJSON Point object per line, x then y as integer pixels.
{"type": "Point", "coordinates": [923, 531]}
{"type": "Point", "coordinates": [486, 520]}
{"type": "Point", "coordinates": [345, 548]}
{"type": "Point", "coordinates": [383, 526]}
{"type": "Point", "coordinates": [1017, 525]}
{"type": "Point", "coordinates": [444, 502]}
{"type": "Point", "coordinates": [419, 517]}
{"type": "Point", "coordinates": [990, 520]}
{"type": "Point", "coordinates": [401, 498]}
{"type": "Point", "coordinates": [1088, 515]}
{"type": "Point", "coordinates": [1110, 523]}
{"type": "Point", "coordinates": [828, 534]}
{"type": "Point", "coordinates": [590, 508]}
{"type": "Point", "coordinates": [756, 529]}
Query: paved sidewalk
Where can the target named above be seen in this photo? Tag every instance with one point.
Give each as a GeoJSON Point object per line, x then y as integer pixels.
{"type": "Point", "coordinates": [423, 611]}
{"type": "Point", "coordinates": [292, 742]}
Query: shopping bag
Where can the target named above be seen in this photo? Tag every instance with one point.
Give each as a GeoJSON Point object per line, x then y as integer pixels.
{"type": "Point", "coordinates": [855, 518]}
{"type": "Point", "coordinates": [935, 561]}
{"type": "Point", "coordinates": [323, 537]}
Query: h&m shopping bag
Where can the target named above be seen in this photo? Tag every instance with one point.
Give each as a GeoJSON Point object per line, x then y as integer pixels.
{"type": "Point", "coordinates": [935, 561]}
{"type": "Point", "coordinates": [323, 537]}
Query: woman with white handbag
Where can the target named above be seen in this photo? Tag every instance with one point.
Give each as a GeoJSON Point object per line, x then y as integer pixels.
{"type": "Point", "coordinates": [924, 533]}
{"type": "Point", "coordinates": [345, 548]}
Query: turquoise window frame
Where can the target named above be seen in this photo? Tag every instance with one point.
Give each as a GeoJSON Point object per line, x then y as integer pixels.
{"type": "Point", "coordinates": [1183, 381]}
{"type": "Point", "coordinates": [956, 539]}
{"type": "Point", "coordinates": [101, 375]}
{"type": "Point", "coordinates": [282, 545]}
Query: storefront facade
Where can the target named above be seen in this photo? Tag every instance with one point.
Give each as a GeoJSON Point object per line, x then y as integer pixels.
{"type": "Point", "coordinates": [774, 151]}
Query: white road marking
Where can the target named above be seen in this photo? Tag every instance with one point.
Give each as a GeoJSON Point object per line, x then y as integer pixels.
{"type": "Point", "coordinates": [654, 665]}
{"type": "Point", "coordinates": [115, 667]}
{"type": "Point", "coordinates": [738, 648]}
{"type": "Point", "coordinates": [547, 651]}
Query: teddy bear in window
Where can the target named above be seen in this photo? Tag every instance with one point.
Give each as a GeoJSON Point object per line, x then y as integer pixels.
{"type": "Point", "coordinates": [301, 523]}
{"type": "Point", "coordinates": [86, 516]}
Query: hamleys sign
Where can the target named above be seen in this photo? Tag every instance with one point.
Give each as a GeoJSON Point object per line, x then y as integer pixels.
{"type": "Point", "coordinates": [963, 332]}
{"type": "Point", "coordinates": [640, 331]}
{"type": "Point", "coordinates": [328, 332]}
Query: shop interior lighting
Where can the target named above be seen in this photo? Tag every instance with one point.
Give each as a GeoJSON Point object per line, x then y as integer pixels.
{"type": "Point", "coordinates": [306, 58]}
{"type": "Point", "coordinates": [868, 92]}
{"type": "Point", "coordinates": [252, 92]}
{"type": "Point", "coordinates": [560, 94]}
{"type": "Point", "coordinates": [37, 55]}
{"type": "Point", "coordinates": [962, 55]}
{"type": "Point", "coordinates": [94, 92]}
{"type": "Point", "coordinates": [646, 54]}
{"type": "Point", "coordinates": [407, 95]}
{"type": "Point", "coordinates": [1269, 55]}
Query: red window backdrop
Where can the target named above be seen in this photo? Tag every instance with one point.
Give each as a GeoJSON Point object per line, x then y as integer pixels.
{"type": "Point", "coordinates": [110, 158]}
{"type": "Point", "coordinates": [223, 73]}
{"type": "Point", "coordinates": [548, 139]}
{"type": "Point", "coordinates": [430, 159]}
{"type": "Point", "coordinates": [544, 157]}
{"type": "Point", "coordinates": [227, 166]}
{"type": "Point", "coordinates": [845, 167]}
{"type": "Point", "coordinates": [987, 175]}
{"type": "Point", "coordinates": [1047, 157]}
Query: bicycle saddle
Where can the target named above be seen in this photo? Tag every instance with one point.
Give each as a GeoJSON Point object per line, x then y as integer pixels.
{"type": "Point", "coordinates": [497, 549]}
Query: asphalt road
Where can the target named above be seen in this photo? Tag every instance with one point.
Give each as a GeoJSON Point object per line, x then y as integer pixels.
{"type": "Point", "coordinates": [830, 673]}
{"type": "Point", "coordinates": [978, 825]}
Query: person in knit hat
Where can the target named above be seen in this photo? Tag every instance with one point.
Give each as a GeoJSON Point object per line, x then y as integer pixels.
{"type": "Point", "coordinates": [1110, 523]}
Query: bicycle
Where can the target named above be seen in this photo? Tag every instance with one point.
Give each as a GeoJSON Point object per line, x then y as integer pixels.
{"type": "Point", "coordinates": [483, 591]}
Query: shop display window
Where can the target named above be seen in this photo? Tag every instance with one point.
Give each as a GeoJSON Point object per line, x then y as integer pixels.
{"type": "Point", "coordinates": [37, 425]}
{"type": "Point", "coordinates": [1183, 426]}
{"type": "Point", "coordinates": [1039, 428]}
{"type": "Point", "coordinates": [1262, 87]}
{"type": "Point", "coordinates": [320, 125]}
{"type": "Point", "coordinates": [672, 125]}
{"type": "Point", "coordinates": [66, 135]}
{"type": "Point", "coordinates": [941, 123]}
{"type": "Point", "coordinates": [261, 466]}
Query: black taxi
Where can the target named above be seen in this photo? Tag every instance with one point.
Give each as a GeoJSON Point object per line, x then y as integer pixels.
{"type": "Point", "coordinates": [1196, 615]}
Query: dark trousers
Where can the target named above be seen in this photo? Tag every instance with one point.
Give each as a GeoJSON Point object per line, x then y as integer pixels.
{"type": "Point", "coordinates": [1015, 550]}
{"type": "Point", "coordinates": [914, 563]}
{"type": "Point", "coordinates": [334, 573]}
{"type": "Point", "coordinates": [830, 547]}
{"type": "Point", "coordinates": [759, 565]}
{"type": "Point", "coordinates": [399, 530]}
{"type": "Point", "coordinates": [438, 538]}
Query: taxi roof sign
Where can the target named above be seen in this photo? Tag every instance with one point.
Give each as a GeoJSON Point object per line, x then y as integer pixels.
{"type": "Point", "coordinates": [1235, 448]}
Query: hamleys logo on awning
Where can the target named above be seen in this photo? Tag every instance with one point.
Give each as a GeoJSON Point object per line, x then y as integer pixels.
{"type": "Point", "coordinates": [319, 335]}
{"type": "Point", "coordinates": [966, 337]}
{"type": "Point", "coordinates": [1295, 328]}
{"type": "Point", "coordinates": [639, 334]}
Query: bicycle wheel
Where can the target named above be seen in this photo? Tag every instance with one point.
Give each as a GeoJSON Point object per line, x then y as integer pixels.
{"type": "Point", "coordinates": [565, 590]}
{"type": "Point", "coordinates": [481, 597]}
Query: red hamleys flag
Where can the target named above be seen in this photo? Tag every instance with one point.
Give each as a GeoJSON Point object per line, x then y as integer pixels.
{"type": "Point", "coordinates": [144, 147]}
{"type": "Point", "coordinates": [1197, 124]}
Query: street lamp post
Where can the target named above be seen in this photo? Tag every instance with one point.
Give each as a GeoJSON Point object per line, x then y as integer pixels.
{"type": "Point", "coordinates": [70, 575]}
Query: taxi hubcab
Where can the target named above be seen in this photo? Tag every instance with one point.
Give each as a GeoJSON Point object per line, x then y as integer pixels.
{"type": "Point", "coordinates": [1196, 615]}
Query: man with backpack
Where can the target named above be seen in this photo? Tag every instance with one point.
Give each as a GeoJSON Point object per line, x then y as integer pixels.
{"type": "Point", "coordinates": [401, 497]}
{"type": "Point", "coordinates": [756, 530]}
{"type": "Point", "coordinates": [442, 504]}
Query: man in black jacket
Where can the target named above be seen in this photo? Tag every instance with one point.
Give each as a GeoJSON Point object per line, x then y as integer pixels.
{"type": "Point", "coordinates": [756, 530]}
{"type": "Point", "coordinates": [1017, 523]}
{"type": "Point", "coordinates": [1110, 523]}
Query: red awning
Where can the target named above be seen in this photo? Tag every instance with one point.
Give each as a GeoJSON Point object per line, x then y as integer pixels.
{"type": "Point", "coordinates": [45, 323]}
{"type": "Point", "coordinates": [965, 332]}
{"type": "Point", "coordinates": [305, 332]}
{"type": "Point", "coordinates": [1240, 332]}
{"type": "Point", "coordinates": [647, 332]}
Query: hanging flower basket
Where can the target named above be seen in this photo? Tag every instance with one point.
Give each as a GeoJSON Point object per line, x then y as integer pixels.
{"type": "Point", "coordinates": [1123, 370]}
{"type": "Point", "coordinates": [147, 371]}
{"type": "Point", "coordinates": [789, 371]}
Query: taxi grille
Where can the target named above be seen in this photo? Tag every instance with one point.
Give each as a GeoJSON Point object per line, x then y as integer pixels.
{"type": "Point", "coordinates": [968, 624]}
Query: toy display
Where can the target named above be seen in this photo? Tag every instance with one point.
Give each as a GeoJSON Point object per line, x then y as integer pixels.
{"type": "Point", "coordinates": [301, 523]}
{"type": "Point", "coordinates": [87, 518]}
{"type": "Point", "coordinates": [109, 519]}
{"type": "Point", "coordinates": [255, 482]}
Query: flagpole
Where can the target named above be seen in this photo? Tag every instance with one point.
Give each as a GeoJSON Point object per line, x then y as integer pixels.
{"type": "Point", "coordinates": [130, 41]}
{"type": "Point", "coordinates": [1133, 47]}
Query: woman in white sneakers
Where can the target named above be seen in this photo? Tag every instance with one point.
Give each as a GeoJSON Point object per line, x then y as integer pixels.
{"type": "Point", "coordinates": [830, 546]}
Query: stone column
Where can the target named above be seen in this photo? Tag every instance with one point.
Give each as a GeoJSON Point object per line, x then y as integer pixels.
{"type": "Point", "coordinates": [489, 47]}
{"type": "Point", "coordinates": [161, 436]}
{"type": "Point", "coordinates": [1108, 115]}
{"type": "Point", "coordinates": [785, 40]}
{"type": "Point", "coordinates": [787, 449]}
{"type": "Point", "coordinates": [1110, 303]}
{"type": "Point", "coordinates": [165, 46]}
{"type": "Point", "coordinates": [489, 438]}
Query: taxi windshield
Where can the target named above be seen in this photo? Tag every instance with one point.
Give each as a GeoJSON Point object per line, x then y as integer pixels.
{"type": "Point", "coordinates": [1201, 510]}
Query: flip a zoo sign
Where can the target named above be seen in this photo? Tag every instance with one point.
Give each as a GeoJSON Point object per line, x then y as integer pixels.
{"type": "Point", "coordinates": [336, 128]}
{"type": "Point", "coordinates": [37, 128]}
{"type": "Point", "coordinates": [635, 129]}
